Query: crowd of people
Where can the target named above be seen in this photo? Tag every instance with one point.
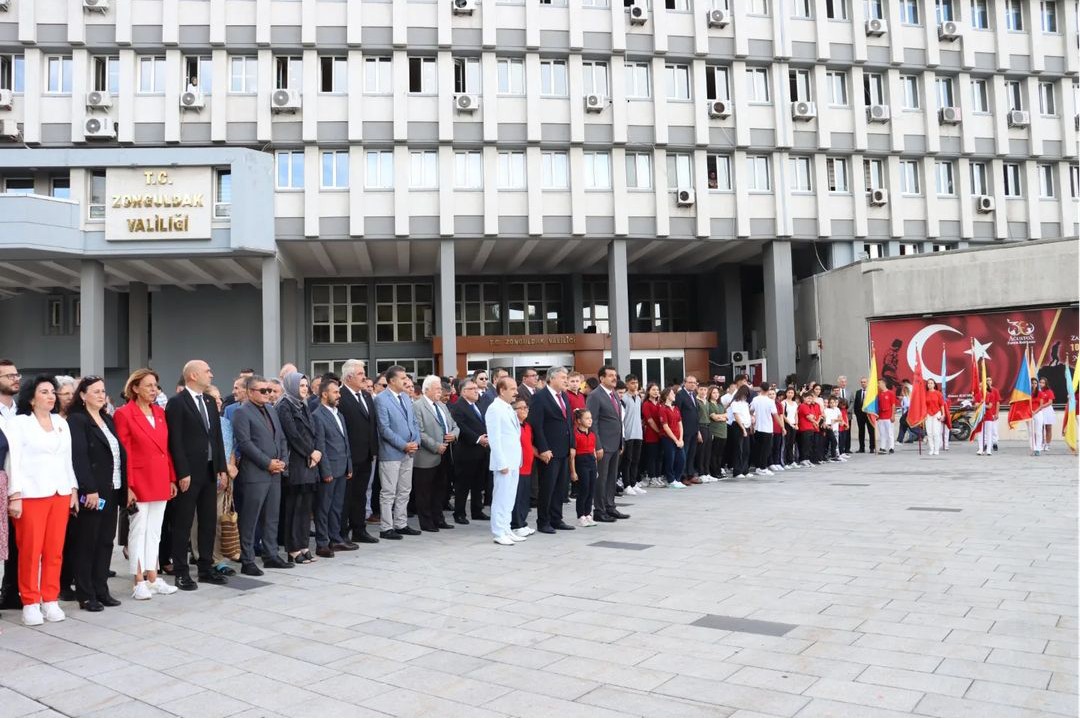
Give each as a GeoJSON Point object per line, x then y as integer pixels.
{"type": "Point", "coordinates": [205, 480]}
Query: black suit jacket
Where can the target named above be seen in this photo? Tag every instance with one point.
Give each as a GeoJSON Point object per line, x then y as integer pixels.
{"type": "Point", "coordinates": [686, 403]}
{"type": "Point", "coordinates": [92, 457]}
{"type": "Point", "coordinates": [551, 430]}
{"type": "Point", "coordinates": [860, 397]}
{"type": "Point", "coordinates": [467, 449]}
{"type": "Point", "coordinates": [189, 439]}
{"type": "Point", "coordinates": [360, 424]}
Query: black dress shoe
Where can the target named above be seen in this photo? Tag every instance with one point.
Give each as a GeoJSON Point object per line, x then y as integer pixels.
{"type": "Point", "coordinates": [619, 515]}
{"type": "Point", "coordinates": [406, 530]}
{"type": "Point", "coordinates": [344, 546]}
{"type": "Point", "coordinates": [602, 517]}
{"type": "Point", "coordinates": [225, 570]}
{"type": "Point", "coordinates": [276, 563]}
{"type": "Point", "coordinates": [250, 568]}
{"type": "Point", "coordinates": [480, 516]}
{"type": "Point", "coordinates": [324, 552]}
{"type": "Point", "coordinates": [184, 582]}
{"type": "Point", "coordinates": [364, 536]}
{"type": "Point", "coordinates": [67, 594]}
{"type": "Point", "coordinates": [109, 601]}
{"type": "Point", "coordinates": [390, 535]}
{"type": "Point", "coordinates": [112, 573]}
{"type": "Point", "coordinates": [91, 606]}
{"type": "Point", "coordinates": [213, 577]}
{"type": "Point", "coordinates": [560, 525]}
{"type": "Point", "coordinates": [461, 519]}
{"type": "Point", "coordinates": [429, 528]}
{"type": "Point", "coordinates": [444, 525]}
{"type": "Point", "coordinates": [546, 529]}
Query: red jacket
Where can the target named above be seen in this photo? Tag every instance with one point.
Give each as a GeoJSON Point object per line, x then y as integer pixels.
{"type": "Point", "coordinates": [150, 468]}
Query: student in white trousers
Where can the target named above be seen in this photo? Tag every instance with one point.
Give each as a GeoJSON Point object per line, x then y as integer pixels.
{"type": "Point", "coordinates": [935, 413]}
{"type": "Point", "coordinates": [504, 440]}
{"type": "Point", "coordinates": [887, 403]}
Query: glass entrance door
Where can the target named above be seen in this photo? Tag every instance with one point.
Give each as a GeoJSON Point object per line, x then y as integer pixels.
{"type": "Point", "coordinates": [663, 366]}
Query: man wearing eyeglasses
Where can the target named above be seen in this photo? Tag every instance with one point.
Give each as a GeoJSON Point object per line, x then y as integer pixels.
{"type": "Point", "coordinates": [481, 378]}
{"type": "Point", "coordinates": [9, 390]}
{"type": "Point", "coordinates": [529, 382]}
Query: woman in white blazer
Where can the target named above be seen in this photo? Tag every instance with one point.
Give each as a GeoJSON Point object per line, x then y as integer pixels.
{"type": "Point", "coordinates": [504, 440]}
{"type": "Point", "coordinates": [41, 493]}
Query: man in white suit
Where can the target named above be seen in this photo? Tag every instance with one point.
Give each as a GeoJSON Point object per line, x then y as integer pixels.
{"type": "Point", "coordinates": [504, 440]}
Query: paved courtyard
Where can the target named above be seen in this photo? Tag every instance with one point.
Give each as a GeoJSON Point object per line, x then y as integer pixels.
{"type": "Point", "coordinates": [837, 591]}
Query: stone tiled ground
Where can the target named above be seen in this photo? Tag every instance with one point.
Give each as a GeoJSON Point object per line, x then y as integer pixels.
{"type": "Point", "coordinates": [897, 612]}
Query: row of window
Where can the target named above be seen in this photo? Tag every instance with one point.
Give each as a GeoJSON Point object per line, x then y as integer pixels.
{"type": "Point", "coordinates": [877, 250]}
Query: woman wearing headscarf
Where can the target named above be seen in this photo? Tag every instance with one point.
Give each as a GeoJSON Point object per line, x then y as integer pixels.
{"type": "Point", "coordinates": [298, 487]}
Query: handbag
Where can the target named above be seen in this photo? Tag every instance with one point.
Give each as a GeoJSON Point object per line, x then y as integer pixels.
{"type": "Point", "coordinates": [228, 530]}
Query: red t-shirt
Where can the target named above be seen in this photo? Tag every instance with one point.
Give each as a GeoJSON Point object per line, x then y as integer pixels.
{"type": "Point", "coordinates": [651, 410]}
{"type": "Point", "coordinates": [526, 449]}
{"type": "Point", "coordinates": [993, 400]}
{"type": "Point", "coordinates": [886, 404]}
{"type": "Point", "coordinates": [805, 412]}
{"type": "Point", "coordinates": [934, 402]}
{"type": "Point", "coordinates": [584, 442]}
{"type": "Point", "coordinates": [670, 416]}
{"type": "Point", "coordinates": [1044, 398]}
{"type": "Point", "coordinates": [776, 428]}
{"type": "Point", "coordinates": [577, 401]}
{"type": "Point", "coordinates": [843, 418]}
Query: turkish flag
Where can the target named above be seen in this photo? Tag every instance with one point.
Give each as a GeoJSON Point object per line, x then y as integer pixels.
{"type": "Point", "coordinates": [917, 404]}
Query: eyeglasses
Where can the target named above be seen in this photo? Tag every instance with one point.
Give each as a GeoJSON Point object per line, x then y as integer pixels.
{"type": "Point", "coordinates": [263, 390]}
{"type": "Point", "coordinates": [381, 385]}
{"type": "Point", "coordinates": [11, 376]}
{"type": "Point", "coordinates": [481, 379]}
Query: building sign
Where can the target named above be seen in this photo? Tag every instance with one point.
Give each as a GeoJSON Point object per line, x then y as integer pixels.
{"type": "Point", "coordinates": [151, 204]}
{"type": "Point", "coordinates": [520, 341]}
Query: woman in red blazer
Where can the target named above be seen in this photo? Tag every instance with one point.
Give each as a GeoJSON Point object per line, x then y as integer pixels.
{"type": "Point", "coordinates": [140, 425]}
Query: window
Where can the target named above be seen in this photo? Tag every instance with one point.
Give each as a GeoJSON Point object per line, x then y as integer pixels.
{"type": "Point", "coordinates": [535, 307]}
{"type": "Point", "coordinates": [152, 75]}
{"type": "Point", "coordinates": [1074, 180]}
{"type": "Point", "coordinates": [59, 80]}
{"type": "Point", "coordinates": [468, 170]}
{"type": "Point", "coordinates": [837, 171]}
{"type": "Point", "coordinates": [979, 185]}
{"type": "Point", "coordinates": [223, 193]}
{"type": "Point", "coordinates": [1047, 103]}
{"type": "Point", "coordinates": [799, 85]}
{"type": "Point", "coordinates": [12, 73]}
{"type": "Point", "coordinates": [1011, 173]}
{"type": "Point", "coordinates": [479, 309]}
{"type": "Point", "coordinates": [980, 96]}
{"type": "Point", "coordinates": [678, 5]}
{"type": "Point", "coordinates": [402, 312]}
{"type": "Point", "coordinates": [339, 314]}
{"type": "Point", "coordinates": [874, 173]}
{"type": "Point", "coordinates": [289, 73]}
{"type": "Point", "coordinates": [836, 9]}
{"type": "Point", "coordinates": [243, 74]}
{"type": "Point", "coordinates": [106, 74]}
{"type": "Point", "coordinates": [415, 368]}
{"type": "Point", "coordinates": [678, 82]}
{"type": "Point", "coordinates": [680, 171]}
{"type": "Point", "coordinates": [719, 169]}
{"type": "Point", "coordinates": [511, 72]}
{"type": "Point", "coordinates": [595, 76]}
{"type": "Point", "coordinates": [1014, 93]}
{"type": "Point", "coordinates": [594, 307]}
{"type": "Point", "coordinates": [1014, 15]}
{"type": "Point", "coordinates": [423, 76]}
{"type": "Point", "coordinates": [909, 12]}
{"type": "Point", "coordinates": [554, 169]}
{"type": "Point", "coordinates": [938, 248]}
{"type": "Point", "coordinates": [909, 85]}
{"type": "Point", "coordinates": [639, 172]}
{"type": "Point", "coordinates": [333, 75]}
{"type": "Point", "coordinates": [335, 169]}
{"type": "Point", "coordinates": [1046, 181]}
{"type": "Point", "coordinates": [55, 314]}
{"type": "Point", "coordinates": [466, 75]}
{"type": "Point", "coordinates": [946, 97]}
{"type": "Point", "coordinates": [944, 11]}
{"type": "Point", "coordinates": [757, 173]}
{"type": "Point", "coordinates": [909, 178]}
{"type": "Point", "coordinates": [873, 251]}
{"type": "Point", "coordinates": [19, 186]}
{"type": "Point", "coordinates": [290, 170]}
{"type": "Point", "coordinates": [757, 7]}
{"type": "Point", "coordinates": [837, 82]}
{"type": "Point", "coordinates": [945, 178]}
{"type": "Point", "coordinates": [595, 4]}
{"type": "Point", "coordinates": [96, 207]}
{"type": "Point", "coordinates": [60, 187]}
{"type": "Point", "coordinates": [423, 169]}
{"type": "Point", "coordinates": [875, 9]}
{"type": "Point", "coordinates": [716, 83]}
{"type": "Point", "coordinates": [378, 78]}
{"type": "Point", "coordinates": [1048, 10]}
{"type": "Point", "coordinates": [597, 171]}
{"type": "Point", "coordinates": [637, 81]}
{"type": "Point", "coordinates": [379, 174]}
{"type": "Point", "coordinates": [661, 305]}
{"type": "Point", "coordinates": [801, 174]}
{"type": "Point", "coordinates": [909, 249]}
{"type": "Point", "coordinates": [553, 78]}
{"type": "Point", "coordinates": [874, 89]}
{"type": "Point", "coordinates": [757, 85]}
{"type": "Point", "coordinates": [511, 170]}
{"type": "Point", "coordinates": [199, 74]}
{"type": "Point", "coordinates": [980, 14]}
{"type": "Point", "coordinates": [554, 3]}
{"type": "Point", "coordinates": [803, 9]}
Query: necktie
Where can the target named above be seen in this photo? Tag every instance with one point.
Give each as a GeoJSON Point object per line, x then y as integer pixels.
{"type": "Point", "coordinates": [562, 405]}
{"type": "Point", "coordinates": [615, 401]}
{"type": "Point", "coordinates": [266, 418]}
{"type": "Point", "coordinates": [477, 410]}
{"type": "Point", "coordinates": [360, 398]}
{"type": "Point", "coordinates": [401, 401]}
{"type": "Point", "coordinates": [439, 416]}
{"type": "Point", "coordinates": [202, 412]}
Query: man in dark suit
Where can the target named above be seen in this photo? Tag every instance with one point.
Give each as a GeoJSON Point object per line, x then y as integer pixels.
{"type": "Point", "coordinates": [865, 426]}
{"type": "Point", "coordinates": [470, 454]}
{"type": "Point", "coordinates": [263, 451]}
{"type": "Point", "coordinates": [335, 469]}
{"type": "Point", "coordinates": [484, 390]}
{"type": "Point", "coordinates": [528, 387]}
{"type": "Point", "coordinates": [198, 455]}
{"type": "Point", "coordinates": [357, 407]}
{"type": "Point", "coordinates": [686, 403]}
{"type": "Point", "coordinates": [550, 419]}
{"type": "Point", "coordinates": [607, 423]}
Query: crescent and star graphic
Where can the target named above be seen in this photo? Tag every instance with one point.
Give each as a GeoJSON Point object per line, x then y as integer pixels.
{"type": "Point", "coordinates": [919, 340]}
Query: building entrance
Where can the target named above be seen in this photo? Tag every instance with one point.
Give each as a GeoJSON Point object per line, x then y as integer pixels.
{"type": "Point", "coordinates": [516, 364]}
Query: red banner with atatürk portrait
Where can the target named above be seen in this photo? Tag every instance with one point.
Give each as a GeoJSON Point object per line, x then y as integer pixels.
{"type": "Point", "coordinates": [1000, 337]}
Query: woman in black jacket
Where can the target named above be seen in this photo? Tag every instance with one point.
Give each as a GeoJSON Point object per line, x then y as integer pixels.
{"type": "Point", "coordinates": [101, 470]}
{"type": "Point", "coordinates": [298, 487]}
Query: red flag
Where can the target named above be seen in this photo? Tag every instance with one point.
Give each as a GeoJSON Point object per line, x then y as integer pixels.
{"type": "Point", "coordinates": [917, 404]}
{"type": "Point", "coordinates": [976, 383]}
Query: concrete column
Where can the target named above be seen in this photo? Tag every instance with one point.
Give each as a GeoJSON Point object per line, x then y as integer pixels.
{"type": "Point", "coordinates": [290, 336]}
{"type": "Point", "coordinates": [843, 253]}
{"type": "Point", "coordinates": [271, 316]}
{"type": "Point", "coordinates": [138, 325]}
{"type": "Point", "coordinates": [577, 303]}
{"type": "Point", "coordinates": [447, 323]}
{"type": "Point", "coordinates": [619, 306]}
{"type": "Point", "coordinates": [733, 314]}
{"type": "Point", "coordinates": [92, 318]}
{"type": "Point", "coordinates": [779, 311]}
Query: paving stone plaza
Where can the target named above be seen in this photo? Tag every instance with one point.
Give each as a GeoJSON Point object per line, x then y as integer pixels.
{"type": "Point", "coordinates": [897, 585]}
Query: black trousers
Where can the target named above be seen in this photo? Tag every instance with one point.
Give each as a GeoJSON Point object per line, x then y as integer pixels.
{"type": "Point", "coordinates": [864, 427]}
{"type": "Point", "coordinates": [740, 446]}
{"type": "Point", "coordinates": [296, 507]}
{"type": "Point", "coordinates": [67, 565]}
{"type": "Point", "coordinates": [831, 445]}
{"type": "Point", "coordinates": [732, 446]}
{"type": "Point", "coordinates": [704, 451]}
{"type": "Point", "coordinates": [429, 485]}
{"type": "Point", "coordinates": [354, 516]}
{"type": "Point", "coordinates": [690, 449]}
{"type": "Point", "coordinates": [789, 444]}
{"type": "Point", "coordinates": [519, 515]}
{"type": "Point", "coordinates": [199, 500]}
{"type": "Point", "coordinates": [631, 454]}
{"type": "Point", "coordinates": [554, 484]}
{"type": "Point", "coordinates": [94, 532]}
{"type": "Point", "coordinates": [716, 457]}
{"type": "Point", "coordinates": [761, 449]}
{"type": "Point", "coordinates": [807, 451]}
{"type": "Point", "coordinates": [470, 481]}
{"type": "Point", "coordinates": [9, 589]}
{"type": "Point", "coordinates": [845, 441]}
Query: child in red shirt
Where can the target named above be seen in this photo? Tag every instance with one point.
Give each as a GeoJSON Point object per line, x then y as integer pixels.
{"type": "Point", "coordinates": [808, 427]}
{"type": "Point", "coordinates": [583, 465]}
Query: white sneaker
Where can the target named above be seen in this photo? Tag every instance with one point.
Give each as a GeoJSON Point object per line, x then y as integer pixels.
{"type": "Point", "coordinates": [142, 591]}
{"type": "Point", "coordinates": [989, 453]}
{"type": "Point", "coordinates": [632, 491]}
{"type": "Point", "coordinates": [740, 476]}
{"type": "Point", "coordinates": [504, 540]}
{"type": "Point", "coordinates": [749, 474]}
{"type": "Point", "coordinates": [640, 490]}
{"type": "Point", "coordinates": [759, 470]}
{"type": "Point", "coordinates": [677, 485]}
{"type": "Point", "coordinates": [31, 615]}
{"type": "Point", "coordinates": [52, 612]}
{"type": "Point", "coordinates": [523, 531]}
{"type": "Point", "coordinates": [516, 538]}
{"type": "Point", "coordinates": [592, 522]}
{"type": "Point", "coordinates": [768, 473]}
{"type": "Point", "coordinates": [160, 587]}
{"type": "Point", "coordinates": [583, 521]}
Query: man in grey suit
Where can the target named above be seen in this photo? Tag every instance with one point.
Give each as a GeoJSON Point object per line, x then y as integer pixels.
{"type": "Point", "coordinates": [262, 448]}
{"type": "Point", "coordinates": [399, 439]}
{"type": "Point", "coordinates": [335, 469]}
{"type": "Point", "coordinates": [606, 410]}
{"type": "Point", "coordinates": [438, 432]}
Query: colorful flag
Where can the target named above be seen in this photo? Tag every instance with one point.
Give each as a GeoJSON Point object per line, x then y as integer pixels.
{"type": "Point", "coordinates": [980, 410]}
{"type": "Point", "coordinates": [870, 405]}
{"type": "Point", "coordinates": [1020, 400]}
{"type": "Point", "coordinates": [916, 414]}
{"type": "Point", "coordinates": [1069, 431]}
{"type": "Point", "coordinates": [944, 375]}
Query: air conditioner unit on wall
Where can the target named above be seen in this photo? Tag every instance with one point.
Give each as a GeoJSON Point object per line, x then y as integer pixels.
{"type": "Point", "coordinates": [950, 115]}
{"type": "Point", "coordinates": [284, 100]}
{"type": "Point", "coordinates": [948, 30]}
{"type": "Point", "coordinates": [717, 18]}
{"type": "Point", "coordinates": [879, 197]}
{"type": "Point", "coordinates": [639, 14]}
{"type": "Point", "coordinates": [95, 5]}
{"type": "Point", "coordinates": [876, 26]}
{"type": "Point", "coordinates": [1019, 119]}
{"type": "Point", "coordinates": [684, 197]}
{"type": "Point", "coordinates": [99, 99]}
{"type": "Point", "coordinates": [803, 110]}
{"type": "Point", "coordinates": [7, 99]}
{"type": "Point", "coordinates": [595, 103]}
{"type": "Point", "coordinates": [464, 7]}
{"type": "Point", "coordinates": [4, 5]}
{"type": "Point", "coordinates": [984, 204]}
{"type": "Point", "coordinates": [9, 128]}
{"type": "Point", "coordinates": [99, 127]}
{"type": "Point", "coordinates": [739, 357]}
{"type": "Point", "coordinates": [466, 102]}
{"type": "Point", "coordinates": [878, 113]}
{"type": "Point", "coordinates": [719, 108]}
{"type": "Point", "coordinates": [190, 100]}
